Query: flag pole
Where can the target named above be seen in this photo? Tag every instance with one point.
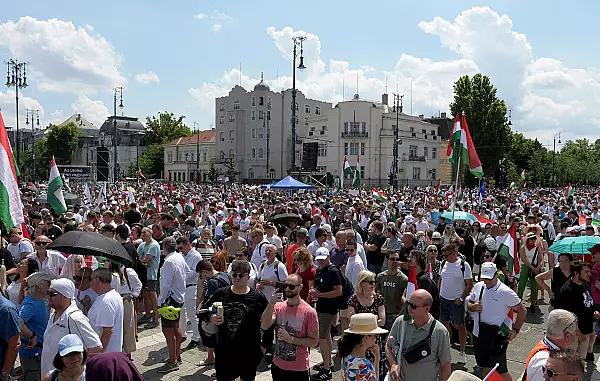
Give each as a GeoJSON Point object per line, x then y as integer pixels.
{"type": "Point", "coordinates": [456, 183]}
{"type": "Point", "coordinates": [342, 176]}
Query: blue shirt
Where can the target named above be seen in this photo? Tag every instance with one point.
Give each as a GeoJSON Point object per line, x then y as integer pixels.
{"type": "Point", "coordinates": [10, 327]}
{"type": "Point", "coordinates": [35, 315]}
{"type": "Point", "coordinates": [152, 249]}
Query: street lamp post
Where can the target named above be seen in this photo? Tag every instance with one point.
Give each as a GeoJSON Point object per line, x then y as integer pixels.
{"type": "Point", "coordinates": [297, 41]}
{"type": "Point", "coordinates": [16, 75]}
{"type": "Point", "coordinates": [398, 108]}
{"type": "Point", "coordinates": [115, 155]}
{"type": "Point", "coordinates": [35, 116]}
{"type": "Point", "coordinates": [197, 131]}
{"type": "Point", "coordinates": [554, 157]}
{"type": "Point", "coordinates": [266, 126]}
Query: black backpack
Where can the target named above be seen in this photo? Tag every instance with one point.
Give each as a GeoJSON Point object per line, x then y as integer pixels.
{"type": "Point", "coordinates": [347, 290]}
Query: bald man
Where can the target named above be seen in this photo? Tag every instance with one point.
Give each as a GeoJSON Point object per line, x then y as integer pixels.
{"type": "Point", "coordinates": [422, 325]}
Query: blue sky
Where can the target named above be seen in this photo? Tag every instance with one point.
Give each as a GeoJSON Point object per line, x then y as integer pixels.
{"type": "Point", "coordinates": [539, 54]}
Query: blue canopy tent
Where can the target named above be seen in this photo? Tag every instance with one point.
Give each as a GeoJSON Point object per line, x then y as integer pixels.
{"type": "Point", "coordinates": [289, 183]}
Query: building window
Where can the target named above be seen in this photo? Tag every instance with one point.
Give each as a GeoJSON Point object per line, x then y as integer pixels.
{"type": "Point", "coordinates": [307, 109]}
{"type": "Point", "coordinates": [222, 107]}
{"type": "Point", "coordinates": [260, 114]}
{"type": "Point", "coordinates": [354, 126]}
{"type": "Point", "coordinates": [221, 120]}
{"type": "Point", "coordinates": [412, 151]}
{"type": "Point", "coordinates": [322, 149]}
{"type": "Point", "coordinates": [236, 105]}
{"type": "Point", "coordinates": [222, 136]}
{"type": "Point", "coordinates": [345, 127]}
{"type": "Point", "coordinates": [425, 151]}
{"type": "Point", "coordinates": [254, 133]}
{"type": "Point", "coordinates": [433, 174]}
{"type": "Point", "coordinates": [253, 115]}
{"type": "Point", "coordinates": [362, 171]}
{"type": "Point", "coordinates": [354, 148]}
{"type": "Point", "coordinates": [232, 117]}
{"type": "Point", "coordinates": [268, 115]}
{"type": "Point", "coordinates": [434, 153]}
{"type": "Point", "coordinates": [364, 127]}
{"type": "Point", "coordinates": [317, 110]}
{"type": "Point", "coordinates": [321, 169]}
{"type": "Point", "coordinates": [254, 153]}
{"type": "Point", "coordinates": [250, 173]}
{"type": "Point", "coordinates": [362, 149]}
{"type": "Point", "coordinates": [412, 129]}
{"type": "Point", "coordinates": [253, 101]}
{"type": "Point", "coordinates": [417, 173]}
{"type": "Point", "coordinates": [311, 131]}
{"type": "Point", "coordinates": [323, 130]}
{"type": "Point", "coordinates": [345, 148]}
{"type": "Point", "coordinates": [261, 153]}
{"type": "Point", "coordinates": [261, 133]}
{"type": "Point", "coordinates": [170, 157]}
{"type": "Point", "coordinates": [432, 132]}
{"type": "Point", "coordinates": [231, 134]}
{"type": "Point", "coordinates": [269, 107]}
{"type": "Point", "coordinates": [231, 154]}
{"type": "Point", "coordinates": [222, 155]}
{"type": "Point", "coordinates": [261, 101]}
{"type": "Point", "coordinates": [191, 156]}
{"type": "Point", "coordinates": [203, 156]}
{"type": "Point", "coordinates": [271, 173]}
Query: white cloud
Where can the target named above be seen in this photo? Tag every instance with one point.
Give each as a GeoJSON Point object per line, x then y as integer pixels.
{"type": "Point", "coordinates": [7, 107]}
{"type": "Point", "coordinates": [94, 111]}
{"type": "Point", "coordinates": [147, 78]}
{"type": "Point", "coordinates": [63, 57]}
{"type": "Point", "coordinates": [216, 19]}
{"type": "Point", "coordinates": [545, 96]}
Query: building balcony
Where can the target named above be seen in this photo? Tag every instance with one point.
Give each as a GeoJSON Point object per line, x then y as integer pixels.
{"type": "Point", "coordinates": [355, 134]}
{"type": "Point", "coordinates": [416, 158]}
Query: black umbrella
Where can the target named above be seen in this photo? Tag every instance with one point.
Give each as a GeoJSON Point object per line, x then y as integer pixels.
{"type": "Point", "coordinates": [285, 218]}
{"type": "Point", "coordinates": [90, 243]}
{"type": "Point", "coordinates": [70, 199]}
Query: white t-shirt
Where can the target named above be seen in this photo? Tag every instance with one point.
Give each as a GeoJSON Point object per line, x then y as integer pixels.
{"type": "Point", "coordinates": [267, 272]}
{"type": "Point", "coordinates": [107, 311]}
{"type": "Point", "coordinates": [19, 249]}
{"type": "Point", "coordinates": [452, 283]}
{"type": "Point", "coordinates": [259, 256]}
{"type": "Point", "coordinates": [496, 302]}
{"type": "Point", "coordinates": [276, 241]}
{"type": "Point", "coordinates": [353, 267]}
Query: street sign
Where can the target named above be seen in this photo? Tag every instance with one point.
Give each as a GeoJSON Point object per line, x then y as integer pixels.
{"type": "Point", "coordinates": [76, 172]}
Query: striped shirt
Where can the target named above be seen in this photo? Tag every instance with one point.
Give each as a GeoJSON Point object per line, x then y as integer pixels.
{"type": "Point", "coordinates": [206, 249]}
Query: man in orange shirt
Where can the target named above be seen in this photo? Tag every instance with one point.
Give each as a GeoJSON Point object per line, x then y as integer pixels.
{"type": "Point", "coordinates": [301, 235]}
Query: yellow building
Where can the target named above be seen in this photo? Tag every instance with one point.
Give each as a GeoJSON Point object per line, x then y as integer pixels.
{"type": "Point", "coordinates": [445, 165]}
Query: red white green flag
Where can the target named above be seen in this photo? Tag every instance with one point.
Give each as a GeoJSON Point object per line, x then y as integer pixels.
{"type": "Point", "coordinates": [410, 287]}
{"type": "Point", "coordinates": [11, 208]}
{"type": "Point", "coordinates": [569, 191]}
{"type": "Point", "coordinates": [379, 196]}
{"type": "Point", "coordinates": [461, 145]}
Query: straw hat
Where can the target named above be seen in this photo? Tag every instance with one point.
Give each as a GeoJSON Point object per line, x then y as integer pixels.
{"type": "Point", "coordinates": [460, 375]}
{"type": "Point", "coordinates": [364, 324]}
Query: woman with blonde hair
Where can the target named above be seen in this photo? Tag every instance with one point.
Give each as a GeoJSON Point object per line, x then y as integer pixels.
{"type": "Point", "coordinates": [305, 267]}
{"type": "Point", "coordinates": [366, 300]}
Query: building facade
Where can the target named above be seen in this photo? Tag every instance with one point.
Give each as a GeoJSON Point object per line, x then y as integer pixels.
{"type": "Point", "coordinates": [255, 128]}
{"type": "Point", "coordinates": [189, 159]}
{"type": "Point", "coordinates": [363, 131]}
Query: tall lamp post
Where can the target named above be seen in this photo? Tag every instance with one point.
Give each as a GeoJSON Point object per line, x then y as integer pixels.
{"type": "Point", "coordinates": [197, 131]}
{"type": "Point", "coordinates": [297, 41]}
{"type": "Point", "coordinates": [266, 126]}
{"type": "Point", "coordinates": [118, 90]}
{"type": "Point", "coordinates": [16, 76]}
{"type": "Point", "coordinates": [35, 116]}
{"type": "Point", "coordinates": [554, 157]}
{"type": "Point", "coordinates": [398, 108]}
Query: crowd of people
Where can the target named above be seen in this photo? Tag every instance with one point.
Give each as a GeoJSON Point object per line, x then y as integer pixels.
{"type": "Point", "coordinates": [250, 275]}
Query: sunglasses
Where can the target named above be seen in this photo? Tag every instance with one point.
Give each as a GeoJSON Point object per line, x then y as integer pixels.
{"type": "Point", "coordinates": [370, 282]}
{"type": "Point", "coordinates": [413, 306]}
{"type": "Point", "coordinates": [52, 294]}
{"type": "Point", "coordinates": [552, 374]}
{"type": "Point", "coordinates": [42, 243]}
{"type": "Point", "coordinates": [395, 259]}
{"type": "Point", "coordinates": [239, 275]}
{"type": "Point", "coordinates": [290, 286]}
{"type": "Point", "coordinates": [432, 251]}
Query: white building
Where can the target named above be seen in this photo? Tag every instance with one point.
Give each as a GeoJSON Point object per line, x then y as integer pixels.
{"type": "Point", "coordinates": [365, 129]}
{"type": "Point", "coordinates": [242, 119]}
{"type": "Point", "coordinates": [184, 157]}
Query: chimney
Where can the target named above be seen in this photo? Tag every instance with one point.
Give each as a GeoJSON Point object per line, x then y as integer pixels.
{"type": "Point", "coordinates": [78, 117]}
{"type": "Point", "coordinates": [421, 116]}
{"type": "Point", "coordinates": [443, 116]}
{"type": "Point", "coordinates": [384, 99]}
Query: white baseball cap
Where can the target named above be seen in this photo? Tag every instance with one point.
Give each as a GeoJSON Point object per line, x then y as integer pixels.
{"type": "Point", "coordinates": [488, 270]}
{"type": "Point", "coordinates": [322, 253]}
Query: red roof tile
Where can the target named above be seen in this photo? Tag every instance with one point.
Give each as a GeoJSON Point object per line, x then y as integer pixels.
{"type": "Point", "coordinates": [205, 137]}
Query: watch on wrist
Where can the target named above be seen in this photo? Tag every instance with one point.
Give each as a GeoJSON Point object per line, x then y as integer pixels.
{"type": "Point", "coordinates": [516, 329]}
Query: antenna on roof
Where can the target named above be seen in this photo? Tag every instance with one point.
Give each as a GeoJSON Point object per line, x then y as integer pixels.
{"type": "Point", "coordinates": [386, 85]}
{"type": "Point", "coordinates": [357, 83]}
{"type": "Point", "coordinates": [261, 76]}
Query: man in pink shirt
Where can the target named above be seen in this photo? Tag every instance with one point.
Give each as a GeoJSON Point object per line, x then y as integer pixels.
{"type": "Point", "coordinates": [297, 330]}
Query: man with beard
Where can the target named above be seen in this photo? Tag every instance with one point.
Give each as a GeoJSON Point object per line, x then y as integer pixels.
{"type": "Point", "coordinates": [297, 328]}
{"type": "Point", "coordinates": [239, 333]}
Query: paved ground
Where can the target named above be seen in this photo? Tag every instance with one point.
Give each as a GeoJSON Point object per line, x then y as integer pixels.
{"type": "Point", "coordinates": [152, 350]}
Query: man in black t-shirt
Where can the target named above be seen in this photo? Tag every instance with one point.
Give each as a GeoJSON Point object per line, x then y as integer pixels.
{"type": "Point", "coordinates": [132, 216]}
{"type": "Point", "coordinates": [373, 246]}
{"type": "Point", "coordinates": [407, 246]}
{"type": "Point", "coordinates": [328, 289]}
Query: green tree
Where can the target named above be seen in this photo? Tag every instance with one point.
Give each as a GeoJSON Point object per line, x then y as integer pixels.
{"type": "Point", "coordinates": [62, 141]}
{"type": "Point", "coordinates": [487, 120]}
{"type": "Point", "coordinates": [213, 173]}
{"type": "Point", "coordinates": [152, 161]}
{"type": "Point", "coordinates": [42, 161]}
{"type": "Point", "coordinates": [230, 170]}
{"type": "Point", "coordinates": [165, 128]}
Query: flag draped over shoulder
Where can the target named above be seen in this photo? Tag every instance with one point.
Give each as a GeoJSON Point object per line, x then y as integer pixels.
{"type": "Point", "coordinates": [509, 250]}
{"type": "Point", "coordinates": [11, 207]}
{"type": "Point", "coordinates": [461, 145]}
{"type": "Point", "coordinates": [410, 287]}
{"type": "Point", "coordinates": [55, 194]}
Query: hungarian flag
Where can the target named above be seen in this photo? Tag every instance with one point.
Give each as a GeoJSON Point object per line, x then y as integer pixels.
{"type": "Point", "coordinates": [523, 175]}
{"type": "Point", "coordinates": [347, 168]}
{"type": "Point", "coordinates": [379, 196]}
{"type": "Point", "coordinates": [356, 182]}
{"type": "Point", "coordinates": [11, 208]}
{"type": "Point", "coordinates": [410, 287]}
{"type": "Point", "coordinates": [461, 145]}
{"type": "Point", "coordinates": [482, 219]}
{"type": "Point", "coordinates": [178, 209]}
{"type": "Point", "coordinates": [142, 176]}
{"type": "Point", "coordinates": [55, 194]}
{"type": "Point", "coordinates": [437, 188]}
{"type": "Point", "coordinates": [190, 206]}
{"type": "Point", "coordinates": [509, 250]}
{"type": "Point", "coordinates": [154, 205]}
{"type": "Point", "coordinates": [569, 191]}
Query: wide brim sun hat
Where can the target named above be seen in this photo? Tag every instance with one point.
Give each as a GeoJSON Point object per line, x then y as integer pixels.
{"type": "Point", "coordinates": [365, 324]}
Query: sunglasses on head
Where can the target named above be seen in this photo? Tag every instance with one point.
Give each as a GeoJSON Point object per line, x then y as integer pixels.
{"type": "Point", "coordinates": [238, 275]}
